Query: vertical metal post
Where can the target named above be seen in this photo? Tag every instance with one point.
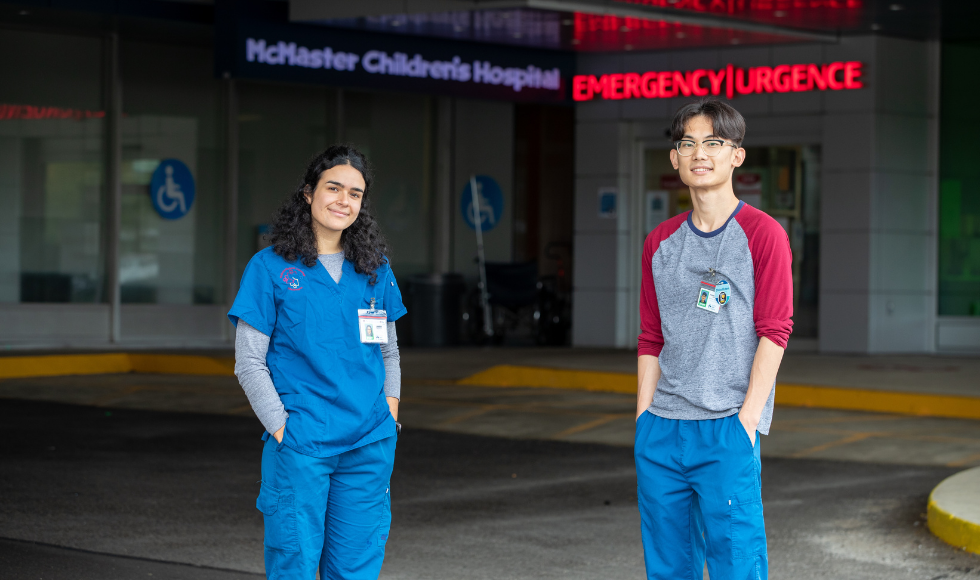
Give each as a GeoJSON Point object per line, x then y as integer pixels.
{"type": "Point", "coordinates": [477, 216]}
{"type": "Point", "coordinates": [113, 135]}
{"type": "Point", "coordinates": [231, 191]}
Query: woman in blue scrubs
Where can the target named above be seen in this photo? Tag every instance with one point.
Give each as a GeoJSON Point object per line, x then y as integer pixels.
{"type": "Point", "coordinates": [326, 392]}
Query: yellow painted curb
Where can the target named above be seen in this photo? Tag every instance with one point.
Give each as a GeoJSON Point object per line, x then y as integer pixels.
{"type": "Point", "coordinates": [786, 394]}
{"type": "Point", "coordinates": [20, 367]}
{"type": "Point", "coordinates": [954, 531]}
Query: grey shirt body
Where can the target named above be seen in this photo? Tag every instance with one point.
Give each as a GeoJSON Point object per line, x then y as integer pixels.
{"type": "Point", "coordinates": [252, 346]}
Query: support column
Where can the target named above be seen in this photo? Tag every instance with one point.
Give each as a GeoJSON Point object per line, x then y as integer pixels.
{"type": "Point", "coordinates": [113, 162]}
{"type": "Point", "coordinates": [230, 97]}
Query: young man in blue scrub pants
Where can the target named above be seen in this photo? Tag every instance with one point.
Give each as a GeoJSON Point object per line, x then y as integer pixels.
{"type": "Point", "coordinates": [715, 308]}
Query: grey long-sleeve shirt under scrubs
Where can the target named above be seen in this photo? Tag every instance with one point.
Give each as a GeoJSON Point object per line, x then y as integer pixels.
{"type": "Point", "coordinates": [251, 347]}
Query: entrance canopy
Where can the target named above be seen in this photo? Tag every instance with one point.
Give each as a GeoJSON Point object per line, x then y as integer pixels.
{"type": "Point", "coordinates": [625, 25]}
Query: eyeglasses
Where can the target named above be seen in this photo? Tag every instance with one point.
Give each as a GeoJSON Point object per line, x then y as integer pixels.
{"type": "Point", "coordinates": [711, 147]}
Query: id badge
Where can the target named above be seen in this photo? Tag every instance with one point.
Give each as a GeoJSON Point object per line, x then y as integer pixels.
{"type": "Point", "coordinates": [706, 298]}
{"type": "Point", "coordinates": [373, 326]}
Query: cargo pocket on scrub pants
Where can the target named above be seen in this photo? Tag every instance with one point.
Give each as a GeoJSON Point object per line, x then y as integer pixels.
{"type": "Point", "coordinates": [748, 526]}
{"type": "Point", "coordinates": [385, 526]}
{"type": "Point", "coordinates": [279, 512]}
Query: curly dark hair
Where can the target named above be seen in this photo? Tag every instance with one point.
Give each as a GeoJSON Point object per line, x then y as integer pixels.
{"type": "Point", "coordinates": [292, 235]}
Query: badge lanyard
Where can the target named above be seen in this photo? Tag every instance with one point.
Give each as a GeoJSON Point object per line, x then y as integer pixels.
{"type": "Point", "coordinates": [372, 325]}
{"type": "Point", "coordinates": [713, 295]}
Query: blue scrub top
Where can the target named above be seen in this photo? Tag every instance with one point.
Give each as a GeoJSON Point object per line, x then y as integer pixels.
{"type": "Point", "coordinates": [330, 383]}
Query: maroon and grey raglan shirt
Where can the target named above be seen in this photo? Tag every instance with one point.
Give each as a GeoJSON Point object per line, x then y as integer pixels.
{"type": "Point", "coordinates": [705, 357]}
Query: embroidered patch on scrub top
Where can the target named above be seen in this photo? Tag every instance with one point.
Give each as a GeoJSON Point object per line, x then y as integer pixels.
{"type": "Point", "coordinates": [373, 326]}
{"type": "Point", "coordinates": [706, 298]}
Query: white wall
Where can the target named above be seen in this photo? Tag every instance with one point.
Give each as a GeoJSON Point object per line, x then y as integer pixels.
{"type": "Point", "coordinates": [878, 195]}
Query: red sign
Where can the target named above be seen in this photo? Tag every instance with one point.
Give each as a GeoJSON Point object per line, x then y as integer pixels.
{"type": "Point", "coordinates": [729, 81]}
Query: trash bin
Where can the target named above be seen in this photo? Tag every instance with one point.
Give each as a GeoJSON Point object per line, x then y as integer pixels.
{"type": "Point", "coordinates": [433, 304]}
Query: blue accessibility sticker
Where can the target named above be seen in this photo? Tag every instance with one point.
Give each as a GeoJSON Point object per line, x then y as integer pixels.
{"type": "Point", "coordinates": [172, 189]}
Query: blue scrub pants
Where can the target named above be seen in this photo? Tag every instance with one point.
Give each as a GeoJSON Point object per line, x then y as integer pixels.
{"type": "Point", "coordinates": [331, 512]}
{"type": "Point", "coordinates": [700, 495]}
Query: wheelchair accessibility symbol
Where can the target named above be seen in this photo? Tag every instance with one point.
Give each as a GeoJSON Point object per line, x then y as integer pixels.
{"type": "Point", "coordinates": [172, 189]}
{"type": "Point", "coordinates": [490, 200]}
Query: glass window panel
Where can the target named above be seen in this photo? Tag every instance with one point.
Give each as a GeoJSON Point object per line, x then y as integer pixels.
{"type": "Point", "coordinates": [51, 168]}
{"type": "Point", "coordinates": [280, 128]}
{"type": "Point", "coordinates": [395, 132]}
{"type": "Point", "coordinates": [171, 110]}
{"type": "Point", "coordinates": [959, 189]}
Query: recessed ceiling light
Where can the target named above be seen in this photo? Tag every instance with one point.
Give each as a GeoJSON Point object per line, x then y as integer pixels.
{"type": "Point", "coordinates": [896, 7]}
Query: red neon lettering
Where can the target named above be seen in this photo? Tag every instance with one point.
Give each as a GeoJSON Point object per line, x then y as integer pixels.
{"type": "Point", "coordinates": [614, 87]}
{"type": "Point", "coordinates": [632, 86]}
{"type": "Point", "coordinates": [715, 78]}
{"type": "Point", "coordinates": [831, 72]}
{"type": "Point", "coordinates": [695, 79]}
{"type": "Point", "coordinates": [666, 89]}
{"type": "Point", "coordinates": [763, 79]}
{"type": "Point", "coordinates": [681, 84]}
{"type": "Point", "coordinates": [648, 85]}
{"type": "Point", "coordinates": [815, 77]}
{"type": "Point", "coordinates": [799, 78]}
{"type": "Point", "coordinates": [34, 112]}
{"type": "Point", "coordinates": [580, 88]}
{"type": "Point", "coordinates": [780, 78]}
{"type": "Point", "coordinates": [852, 72]}
{"type": "Point", "coordinates": [741, 86]}
{"type": "Point", "coordinates": [730, 85]}
{"type": "Point", "coordinates": [597, 86]}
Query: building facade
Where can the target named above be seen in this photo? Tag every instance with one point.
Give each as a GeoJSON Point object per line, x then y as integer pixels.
{"type": "Point", "coordinates": [144, 148]}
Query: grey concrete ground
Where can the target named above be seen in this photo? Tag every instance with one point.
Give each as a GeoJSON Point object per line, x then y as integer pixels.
{"type": "Point", "coordinates": [127, 493]}
{"type": "Point", "coordinates": [545, 414]}
{"type": "Point", "coordinates": [125, 476]}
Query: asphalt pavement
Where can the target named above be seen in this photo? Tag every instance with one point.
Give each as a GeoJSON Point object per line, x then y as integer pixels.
{"type": "Point", "coordinates": [110, 493]}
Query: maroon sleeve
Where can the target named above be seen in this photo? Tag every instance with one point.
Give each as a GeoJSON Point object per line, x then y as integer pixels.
{"type": "Point", "coordinates": [651, 339]}
{"type": "Point", "coordinates": [772, 261]}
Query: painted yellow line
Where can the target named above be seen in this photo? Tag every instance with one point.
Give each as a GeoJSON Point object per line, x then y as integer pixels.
{"type": "Point", "coordinates": [181, 364]}
{"type": "Point", "coordinates": [786, 394]}
{"type": "Point", "coordinates": [947, 526]}
{"type": "Point", "coordinates": [20, 367]}
{"type": "Point", "coordinates": [878, 401]}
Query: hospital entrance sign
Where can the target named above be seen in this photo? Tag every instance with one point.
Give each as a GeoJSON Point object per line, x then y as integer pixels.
{"type": "Point", "coordinates": [730, 82]}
